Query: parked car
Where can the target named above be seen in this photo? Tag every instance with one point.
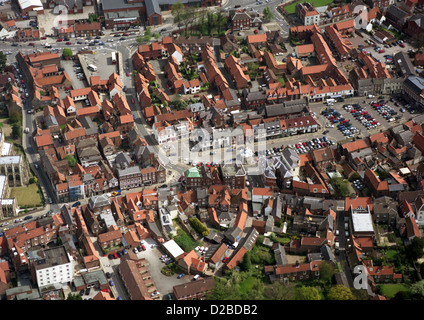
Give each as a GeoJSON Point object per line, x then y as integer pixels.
{"type": "Point", "coordinates": [181, 275]}
{"type": "Point", "coordinates": [111, 283]}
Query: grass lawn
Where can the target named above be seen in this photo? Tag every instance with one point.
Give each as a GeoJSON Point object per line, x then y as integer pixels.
{"type": "Point", "coordinates": [391, 254]}
{"type": "Point", "coordinates": [291, 8]}
{"type": "Point", "coordinates": [27, 196]}
{"type": "Point", "coordinates": [247, 284]}
{"type": "Point", "coordinates": [390, 290]}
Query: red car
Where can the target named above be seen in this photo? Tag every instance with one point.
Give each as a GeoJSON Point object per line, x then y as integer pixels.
{"type": "Point", "coordinates": [125, 34]}
{"type": "Point", "coordinates": [105, 290]}
{"type": "Point", "coordinates": [59, 40]}
{"type": "Point", "coordinates": [256, 31]}
{"type": "Point", "coordinates": [401, 45]}
{"type": "Point", "coordinates": [31, 44]}
{"type": "Point", "coordinates": [143, 247]}
{"type": "Point", "coordinates": [68, 43]}
{"type": "Point", "coordinates": [22, 81]}
{"type": "Point", "coordinates": [128, 74]}
{"type": "Point", "coordinates": [132, 100]}
{"type": "Point", "coordinates": [115, 255]}
{"type": "Point", "coordinates": [225, 259]}
{"type": "Point", "coordinates": [43, 38]}
{"type": "Point", "coordinates": [381, 51]}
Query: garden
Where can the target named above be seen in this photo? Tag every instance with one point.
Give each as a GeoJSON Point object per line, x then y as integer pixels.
{"type": "Point", "coordinates": [291, 8]}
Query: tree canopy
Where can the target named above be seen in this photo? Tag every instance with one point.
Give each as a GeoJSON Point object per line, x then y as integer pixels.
{"type": "Point", "coordinates": [340, 292]}
{"type": "Point", "coordinates": [67, 52]}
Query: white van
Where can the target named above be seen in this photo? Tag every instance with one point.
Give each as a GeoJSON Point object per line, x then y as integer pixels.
{"type": "Point", "coordinates": [197, 276]}
{"type": "Point", "coordinates": [92, 67]}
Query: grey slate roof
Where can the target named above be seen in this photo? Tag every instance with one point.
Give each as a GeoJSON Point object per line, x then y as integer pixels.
{"type": "Point", "coordinates": [404, 63]}
{"type": "Point", "coordinates": [152, 7]}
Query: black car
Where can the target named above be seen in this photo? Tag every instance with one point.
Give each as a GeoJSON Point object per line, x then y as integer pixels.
{"type": "Point", "coordinates": [116, 35]}
{"type": "Point", "coordinates": [28, 217]}
{"type": "Point", "coordinates": [81, 292]}
{"type": "Point", "coordinates": [119, 253]}
{"type": "Point", "coordinates": [122, 38]}
{"type": "Point", "coordinates": [87, 291]}
{"type": "Point", "coordinates": [98, 37]}
{"type": "Point", "coordinates": [108, 275]}
{"type": "Point", "coordinates": [15, 44]}
{"type": "Point", "coordinates": [92, 44]}
{"type": "Point", "coordinates": [163, 186]}
{"type": "Point", "coordinates": [110, 256]}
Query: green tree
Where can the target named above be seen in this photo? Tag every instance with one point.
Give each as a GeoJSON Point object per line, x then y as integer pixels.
{"type": "Point", "coordinates": [92, 17]}
{"type": "Point", "coordinates": [177, 10]}
{"type": "Point", "coordinates": [220, 21]}
{"type": "Point", "coordinates": [199, 226]}
{"type": "Point", "coordinates": [67, 52]}
{"type": "Point", "coordinates": [3, 61]}
{"type": "Point", "coordinates": [268, 15]}
{"type": "Point", "coordinates": [71, 160]}
{"type": "Point", "coordinates": [156, 35]}
{"type": "Point", "coordinates": [222, 291]}
{"type": "Point", "coordinates": [326, 272]}
{"type": "Point", "coordinates": [415, 249]}
{"type": "Point", "coordinates": [16, 131]}
{"type": "Point", "coordinates": [74, 297]}
{"type": "Point", "coordinates": [253, 69]}
{"type": "Point", "coordinates": [15, 117]}
{"type": "Point", "coordinates": [210, 22]}
{"type": "Point", "coordinates": [417, 289]}
{"type": "Point", "coordinates": [147, 34]}
{"type": "Point", "coordinates": [278, 291]}
{"type": "Point", "coordinates": [246, 264]}
{"type": "Point", "coordinates": [307, 293]}
{"type": "Point", "coordinates": [139, 39]}
{"type": "Point", "coordinates": [340, 292]}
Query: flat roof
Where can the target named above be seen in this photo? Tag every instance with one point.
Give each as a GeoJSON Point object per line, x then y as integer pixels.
{"type": "Point", "coordinates": [362, 222]}
{"type": "Point", "coordinates": [173, 248]}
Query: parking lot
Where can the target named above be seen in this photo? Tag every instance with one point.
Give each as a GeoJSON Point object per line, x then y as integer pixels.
{"type": "Point", "coordinates": [152, 254]}
{"type": "Point", "coordinates": [102, 60]}
{"type": "Point", "coordinates": [68, 66]}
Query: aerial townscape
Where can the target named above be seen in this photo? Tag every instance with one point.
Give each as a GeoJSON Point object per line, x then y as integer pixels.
{"type": "Point", "coordinates": [211, 150]}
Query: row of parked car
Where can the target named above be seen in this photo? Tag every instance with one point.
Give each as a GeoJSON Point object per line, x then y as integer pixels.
{"type": "Point", "coordinates": [385, 110]}
{"type": "Point", "coordinates": [344, 125]}
{"type": "Point", "coordinates": [358, 185]}
{"type": "Point", "coordinates": [166, 259]}
{"type": "Point", "coordinates": [313, 144]}
{"type": "Point", "coordinates": [363, 116]}
{"type": "Point", "coordinates": [403, 104]}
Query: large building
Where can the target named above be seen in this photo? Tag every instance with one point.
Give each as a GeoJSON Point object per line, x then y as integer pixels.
{"type": "Point", "coordinates": [124, 13]}
{"type": "Point", "coordinates": [413, 89]}
{"type": "Point", "coordinates": [51, 266]}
